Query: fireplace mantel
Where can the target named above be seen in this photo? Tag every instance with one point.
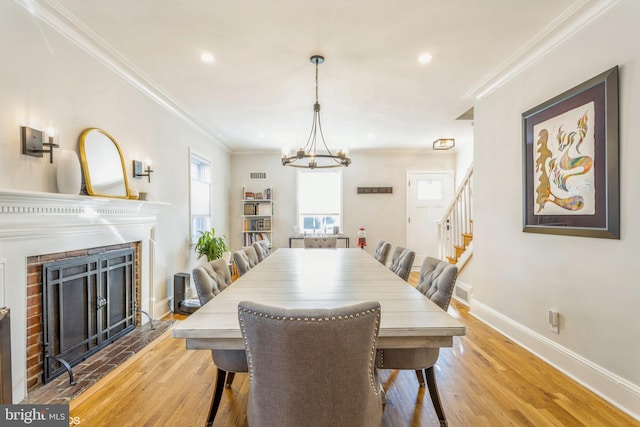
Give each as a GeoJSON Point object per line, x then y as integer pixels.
{"type": "Point", "coordinates": [29, 213]}
{"type": "Point", "coordinates": [35, 223]}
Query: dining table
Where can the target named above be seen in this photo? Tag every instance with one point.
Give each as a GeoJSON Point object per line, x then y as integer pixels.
{"type": "Point", "coordinates": [322, 278]}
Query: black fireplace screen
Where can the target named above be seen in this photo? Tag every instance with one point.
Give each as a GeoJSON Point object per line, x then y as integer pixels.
{"type": "Point", "coordinates": [88, 302]}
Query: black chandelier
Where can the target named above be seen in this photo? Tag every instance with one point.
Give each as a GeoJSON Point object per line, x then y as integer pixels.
{"type": "Point", "coordinates": [307, 157]}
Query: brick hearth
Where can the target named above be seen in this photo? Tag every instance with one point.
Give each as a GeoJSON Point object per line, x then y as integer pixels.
{"type": "Point", "coordinates": [88, 372]}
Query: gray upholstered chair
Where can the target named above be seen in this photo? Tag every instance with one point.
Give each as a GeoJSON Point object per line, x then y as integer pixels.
{"type": "Point", "coordinates": [209, 280]}
{"type": "Point", "coordinates": [312, 367]}
{"type": "Point", "coordinates": [437, 280]}
{"type": "Point", "coordinates": [382, 251]}
{"type": "Point", "coordinates": [245, 259]}
{"type": "Point", "coordinates": [320, 242]}
{"type": "Point", "coordinates": [402, 261]}
{"type": "Point", "coordinates": [262, 249]}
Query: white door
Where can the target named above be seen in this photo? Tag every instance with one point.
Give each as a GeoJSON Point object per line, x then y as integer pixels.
{"type": "Point", "coordinates": [428, 195]}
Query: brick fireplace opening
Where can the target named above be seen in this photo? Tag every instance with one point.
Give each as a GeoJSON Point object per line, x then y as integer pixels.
{"type": "Point", "coordinates": [35, 320]}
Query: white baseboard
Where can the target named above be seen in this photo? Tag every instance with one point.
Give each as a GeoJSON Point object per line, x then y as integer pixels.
{"type": "Point", "coordinates": [162, 309]}
{"type": "Point", "coordinates": [618, 391]}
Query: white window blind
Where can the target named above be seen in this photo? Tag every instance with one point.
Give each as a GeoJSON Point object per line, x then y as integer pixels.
{"type": "Point", "coordinates": [200, 195]}
{"type": "Point", "coordinates": [319, 200]}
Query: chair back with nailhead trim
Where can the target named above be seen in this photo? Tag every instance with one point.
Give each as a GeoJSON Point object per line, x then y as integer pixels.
{"type": "Point", "coordinates": [312, 367]}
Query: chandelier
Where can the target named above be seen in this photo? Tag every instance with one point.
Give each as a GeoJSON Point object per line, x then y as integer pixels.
{"type": "Point", "coordinates": [307, 157]}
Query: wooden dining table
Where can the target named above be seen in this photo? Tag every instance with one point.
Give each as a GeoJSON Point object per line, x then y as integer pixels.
{"type": "Point", "coordinates": [323, 278]}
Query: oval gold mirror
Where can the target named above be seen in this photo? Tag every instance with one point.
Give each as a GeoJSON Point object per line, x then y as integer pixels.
{"type": "Point", "coordinates": [104, 172]}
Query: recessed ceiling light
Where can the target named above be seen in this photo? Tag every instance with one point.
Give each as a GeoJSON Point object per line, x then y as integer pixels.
{"type": "Point", "coordinates": [424, 58]}
{"type": "Point", "coordinates": [207, 57]}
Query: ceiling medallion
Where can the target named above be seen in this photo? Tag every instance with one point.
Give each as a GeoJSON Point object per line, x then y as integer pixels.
{"type": "Point", "coordinates": [307, 157]}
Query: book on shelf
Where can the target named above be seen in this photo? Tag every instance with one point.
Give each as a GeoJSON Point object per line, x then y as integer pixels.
{"type": "Point", "coordinates": [249, 209]}
{"type": "Point", "coordinates": [250, 238]}
{"type": "Point", "coordinates": [261, 209]}
{"type": "Point", "coordinates": [264, 209]}
{"type": "Point", "coordinates": [258, 224]}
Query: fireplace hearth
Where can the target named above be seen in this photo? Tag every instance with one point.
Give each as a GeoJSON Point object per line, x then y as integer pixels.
{"type": "Point", "coordinates": [88, 302]}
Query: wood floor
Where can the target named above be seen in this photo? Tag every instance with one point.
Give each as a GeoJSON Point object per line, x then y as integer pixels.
{"type": "Point", "coordinates": [484, 380]}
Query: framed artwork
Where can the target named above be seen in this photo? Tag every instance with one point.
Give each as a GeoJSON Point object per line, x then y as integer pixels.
{"type": "Point", "coordinates": [570, 157]}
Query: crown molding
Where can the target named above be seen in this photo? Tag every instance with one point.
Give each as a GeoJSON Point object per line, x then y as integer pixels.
{"type": "Point", "coordinates": [565, 25]}
{"type": "Point", "coordinates": [73, 29]}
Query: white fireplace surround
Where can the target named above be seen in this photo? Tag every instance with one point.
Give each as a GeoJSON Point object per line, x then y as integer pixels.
{"type": "Point", "coordinates": [33, 223]}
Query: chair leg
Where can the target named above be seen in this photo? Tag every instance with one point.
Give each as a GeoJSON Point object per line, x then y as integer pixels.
{"type": "Point", "coordinates": [420, 377]}
{"type": "Point", "coordinates": [227, 383]}
{"type": "Point", "coordinates": [435, 396]}
{"type": "Point", "coordinates": [217, 396]}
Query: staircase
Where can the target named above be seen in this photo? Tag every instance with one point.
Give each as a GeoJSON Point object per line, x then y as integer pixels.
{"type": "Point", "coordinates": [455, 229]}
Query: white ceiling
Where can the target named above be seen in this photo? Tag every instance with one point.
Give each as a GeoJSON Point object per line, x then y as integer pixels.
{"type": "Point", "coordinates": [259, 92]}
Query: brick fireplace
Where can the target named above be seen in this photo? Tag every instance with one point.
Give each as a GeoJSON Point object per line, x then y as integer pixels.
{"type": "Point", "coordinates": [34, 302]}
{"type": "Point", "coordinates": [40, 227]}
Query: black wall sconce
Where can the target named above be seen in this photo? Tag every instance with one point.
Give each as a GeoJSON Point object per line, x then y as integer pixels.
{"type": "Point", "coordinates": [33, 142]}
{"type": "Point", "coordinates": [137, 170]}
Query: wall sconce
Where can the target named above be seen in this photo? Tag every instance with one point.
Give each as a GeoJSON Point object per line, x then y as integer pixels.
{"type": "Point", "coordinates": [444, 144]}
{"type": "Point", "coordinates": [33, 142]}
{"type": "Point", "coordinates": [137, 170]}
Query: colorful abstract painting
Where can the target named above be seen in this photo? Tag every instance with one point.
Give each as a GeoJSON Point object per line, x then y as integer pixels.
{"type": "Point", "coordinates": [563, 158]}
{"type": "Point", "coordinates": [571, 164]}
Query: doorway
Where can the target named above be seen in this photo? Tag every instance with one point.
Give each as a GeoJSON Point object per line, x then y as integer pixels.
{"type": "Point", "coordinates": [428, 195]}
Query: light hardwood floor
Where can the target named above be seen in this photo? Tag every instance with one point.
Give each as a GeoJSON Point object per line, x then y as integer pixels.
{"type": "Point", "coordinates": [484, 380]}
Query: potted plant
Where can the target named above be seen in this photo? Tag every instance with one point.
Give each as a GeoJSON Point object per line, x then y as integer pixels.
{"type": "Point", "coordinates": [211, 246]}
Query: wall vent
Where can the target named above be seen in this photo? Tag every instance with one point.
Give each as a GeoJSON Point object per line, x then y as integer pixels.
{"type": "Point", "coordinates": [463, 293]}
{"type": "Point", "coordinates": [257, 176]}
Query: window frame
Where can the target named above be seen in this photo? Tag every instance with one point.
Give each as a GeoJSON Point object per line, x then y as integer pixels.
{"type": "Point", "coordinates": [340, 215]}
{"type": "Point", "coordinates": [194, 234]}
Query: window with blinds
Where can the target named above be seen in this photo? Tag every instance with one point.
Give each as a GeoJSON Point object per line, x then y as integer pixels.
{"type": "Point", "coordinates": [200, 195]}
{"type": "Point", "coordinates": [320, 201]}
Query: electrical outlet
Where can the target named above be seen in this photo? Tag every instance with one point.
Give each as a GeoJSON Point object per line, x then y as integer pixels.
{"type": "Point", "coordinates": [554, 321]}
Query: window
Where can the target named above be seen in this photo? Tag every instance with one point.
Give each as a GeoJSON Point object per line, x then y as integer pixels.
{"type": "Point", "coordinates": [200, 195]}
{"type": "Point", "coordinates": [319, 201]}
{"type": "Point", "coordinates": [429, 190]}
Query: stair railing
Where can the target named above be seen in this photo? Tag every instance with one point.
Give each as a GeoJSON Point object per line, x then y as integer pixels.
{"type": "Point", "coordinates": [456, 221]}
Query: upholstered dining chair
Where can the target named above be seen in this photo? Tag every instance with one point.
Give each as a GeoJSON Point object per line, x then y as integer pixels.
{"type": "Point", "coordinates": [245, 259]}
{"type": "Point", "coordinates": [312, 367]}
{"type": "Point", "coordinates": [262, 249]}
{"type": "Point", "coordinates": [382, 251]}
{"type": "Point", "coordinates": [402, 261]}
{"type": "Point", "coordinates": [209, 280]}
{"type": "Point", "coordinates": [437, 280]}
{"type": "Point", "coordinates": [320, 242]}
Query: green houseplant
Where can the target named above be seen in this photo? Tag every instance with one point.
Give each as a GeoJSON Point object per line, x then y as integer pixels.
{"type": "Point", "coordinates": [211, 246]}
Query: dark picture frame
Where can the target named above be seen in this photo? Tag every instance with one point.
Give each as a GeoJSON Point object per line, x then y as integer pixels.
{"type": "Point", "coordinates": [571, 162]}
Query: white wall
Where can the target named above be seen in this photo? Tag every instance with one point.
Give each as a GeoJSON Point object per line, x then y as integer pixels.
{"type": "Point", "coordinates": [593, 283]}
{"type": "Point", "coordinates": [464, 160]}
{"type": "Point", "coordinates": [382, 215]}
{"type": "Point", "coordinates": [44, 77]}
